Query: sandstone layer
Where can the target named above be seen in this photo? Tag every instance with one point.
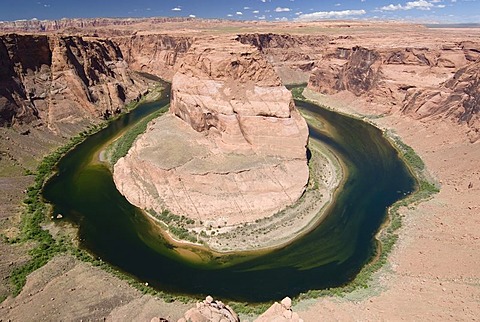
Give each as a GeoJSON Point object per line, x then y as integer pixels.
{"type": "Point", "coordinates": [429, 84]}
{"type": "Point", "coordinates": [155, 54]}
{"type": "Point", "coordinates": [415, 76]}
{"type": "Point", "coordinates": [457, 98]}
{"type": "Point", "coordinates": [62, 81]}
{"type": "Point", "coordinates": [232, 149]}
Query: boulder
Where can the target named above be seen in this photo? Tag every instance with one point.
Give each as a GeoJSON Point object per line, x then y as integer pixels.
{"type": "Point", "coordinates": [210, 310]}
{"type": "Point", "coordinates": [280, 312]}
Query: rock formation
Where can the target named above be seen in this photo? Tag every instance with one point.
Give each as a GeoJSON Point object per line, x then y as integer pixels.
{"type": "Point", "coordinates": [360, 74]}
{"type": "Point", "coordinates": [280, 312]}
{"type": "Point", "coordinates": [210, 310]}
{"type": "Point", "coordinates": [458, 98]}
{"type": "Point", "coordinates": [154, 53]}
{"type": "Point", "coordinates": [419, 82]}
{"type": "Point", "coordinates": [293, 56]}
{"type": "Point", "coordinates": [60, 81]}
{"type": "Point", "coordinates": [233, 148]}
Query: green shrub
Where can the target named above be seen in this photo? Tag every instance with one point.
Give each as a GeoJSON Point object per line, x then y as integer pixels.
{"type": "Point", "coordinates": [121, 146]}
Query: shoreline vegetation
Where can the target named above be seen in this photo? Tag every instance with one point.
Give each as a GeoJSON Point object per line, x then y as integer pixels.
{"type": "Point", "coordinates": [33, 226]}
{"type": "Point", "coordinates": [387, 235]}
{"type": "Point", "coordinates": [46, 246]}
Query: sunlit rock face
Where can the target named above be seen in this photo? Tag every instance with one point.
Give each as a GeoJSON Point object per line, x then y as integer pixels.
{"type": "Point", "coordinates": [231, 150]}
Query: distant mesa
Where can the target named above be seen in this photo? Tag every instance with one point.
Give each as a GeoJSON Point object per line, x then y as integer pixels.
{"type": "Point", "coordinates": [231, 150]}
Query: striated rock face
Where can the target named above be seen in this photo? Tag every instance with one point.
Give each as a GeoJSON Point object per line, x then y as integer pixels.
{"type": "Point", "coordinates": [59, 81]}
{"type": "Point", "coordinates": [293, 57]}
{"type": "Point", "coordinates": [360, 74]}
{"type": "Point", "coordinates": [387, 75]}
{"type": "Point", "coordinates": [154, 53]}
{"type": "Point", "coordinates": [421, 82]}
{"type": "Point", "coordinates": [458, 98]}
{"type": "Point", "coordinates": [233, 148]}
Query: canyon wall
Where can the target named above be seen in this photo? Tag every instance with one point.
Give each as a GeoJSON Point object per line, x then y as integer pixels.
{"type": "Point", "coordinates": [293, 56]}
{"type": "Point", "coordinates": [409, 79]}
{"type": "Point", "coordinates": [418, 82]}
{"type": "Point", "coordinates": [57, 81]}
{"type": "Point", "coordinates": [457, 98]}
{"type": "Point", "coordinates": [155, 54]}
{"type": "Point", "coordinates": [417, 78]}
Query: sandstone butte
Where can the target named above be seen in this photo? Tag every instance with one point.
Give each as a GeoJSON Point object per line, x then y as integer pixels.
{"type": "Point", "coordinates": [231, 150]}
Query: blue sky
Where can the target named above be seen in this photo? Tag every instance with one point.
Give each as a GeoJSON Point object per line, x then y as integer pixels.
{"type": "Point", "coordinates": [455, 11]}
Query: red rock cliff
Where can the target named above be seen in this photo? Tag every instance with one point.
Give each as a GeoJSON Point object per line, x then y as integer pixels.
{"type": "Point", "coordinates": [61, 80]}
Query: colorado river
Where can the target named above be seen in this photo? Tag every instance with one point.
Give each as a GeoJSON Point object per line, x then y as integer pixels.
{"type": "Point", "coordinates": [331, 255]}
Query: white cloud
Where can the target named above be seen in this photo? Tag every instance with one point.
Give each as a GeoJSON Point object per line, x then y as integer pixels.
{"type": "Point", "coordinates": [229, 15]}
{"type": "Point", "coordinates": [239, 13]}
{"type": "Point", "coordinates": [261, 17]}
{"type": "Point", "coordinates": [246, 8]}
{"type": "Point", "coordinates": [280, 9]}
{"type": "Point", "coordinates": [391, 7]}
{"type": "Point", "coordinates": [338, 4]}
{"type": "Point", "coordinates": [192, 16]}
{"type": "Point", "coordinates": [330, 14]}
{"type": "Point", "coordinates": [255, 11]}
{"type": "Point", "coordinates": [419, 4]}
{"type": "Point", "coordinates": [177, 9]}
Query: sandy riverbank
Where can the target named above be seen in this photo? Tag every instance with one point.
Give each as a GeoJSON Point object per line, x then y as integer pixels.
{"type": "Point", "coordinates": [432, 274]}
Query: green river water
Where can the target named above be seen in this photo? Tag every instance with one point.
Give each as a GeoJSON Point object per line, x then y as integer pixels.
{"type": "Point", "coordinates": [331, 255]}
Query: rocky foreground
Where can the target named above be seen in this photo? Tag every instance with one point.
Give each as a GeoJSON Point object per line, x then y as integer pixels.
{"type": "Point", "coordinates": [211, 310]}
{"type": "Point", "coordinates": [232, 149]}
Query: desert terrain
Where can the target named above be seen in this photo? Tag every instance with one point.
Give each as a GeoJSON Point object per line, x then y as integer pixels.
{"type": "Point", "coordinates": [420, 84]}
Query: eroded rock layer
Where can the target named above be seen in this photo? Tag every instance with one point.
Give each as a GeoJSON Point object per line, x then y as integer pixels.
{"type": "Point", "coordinates": [458, 98]}
{"type": "Point", "coordinates": [153, 53]}
{"type": "Point", "coordinates": [63, 80]}
{"type": "Point", "coordinates": [233, 148]}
